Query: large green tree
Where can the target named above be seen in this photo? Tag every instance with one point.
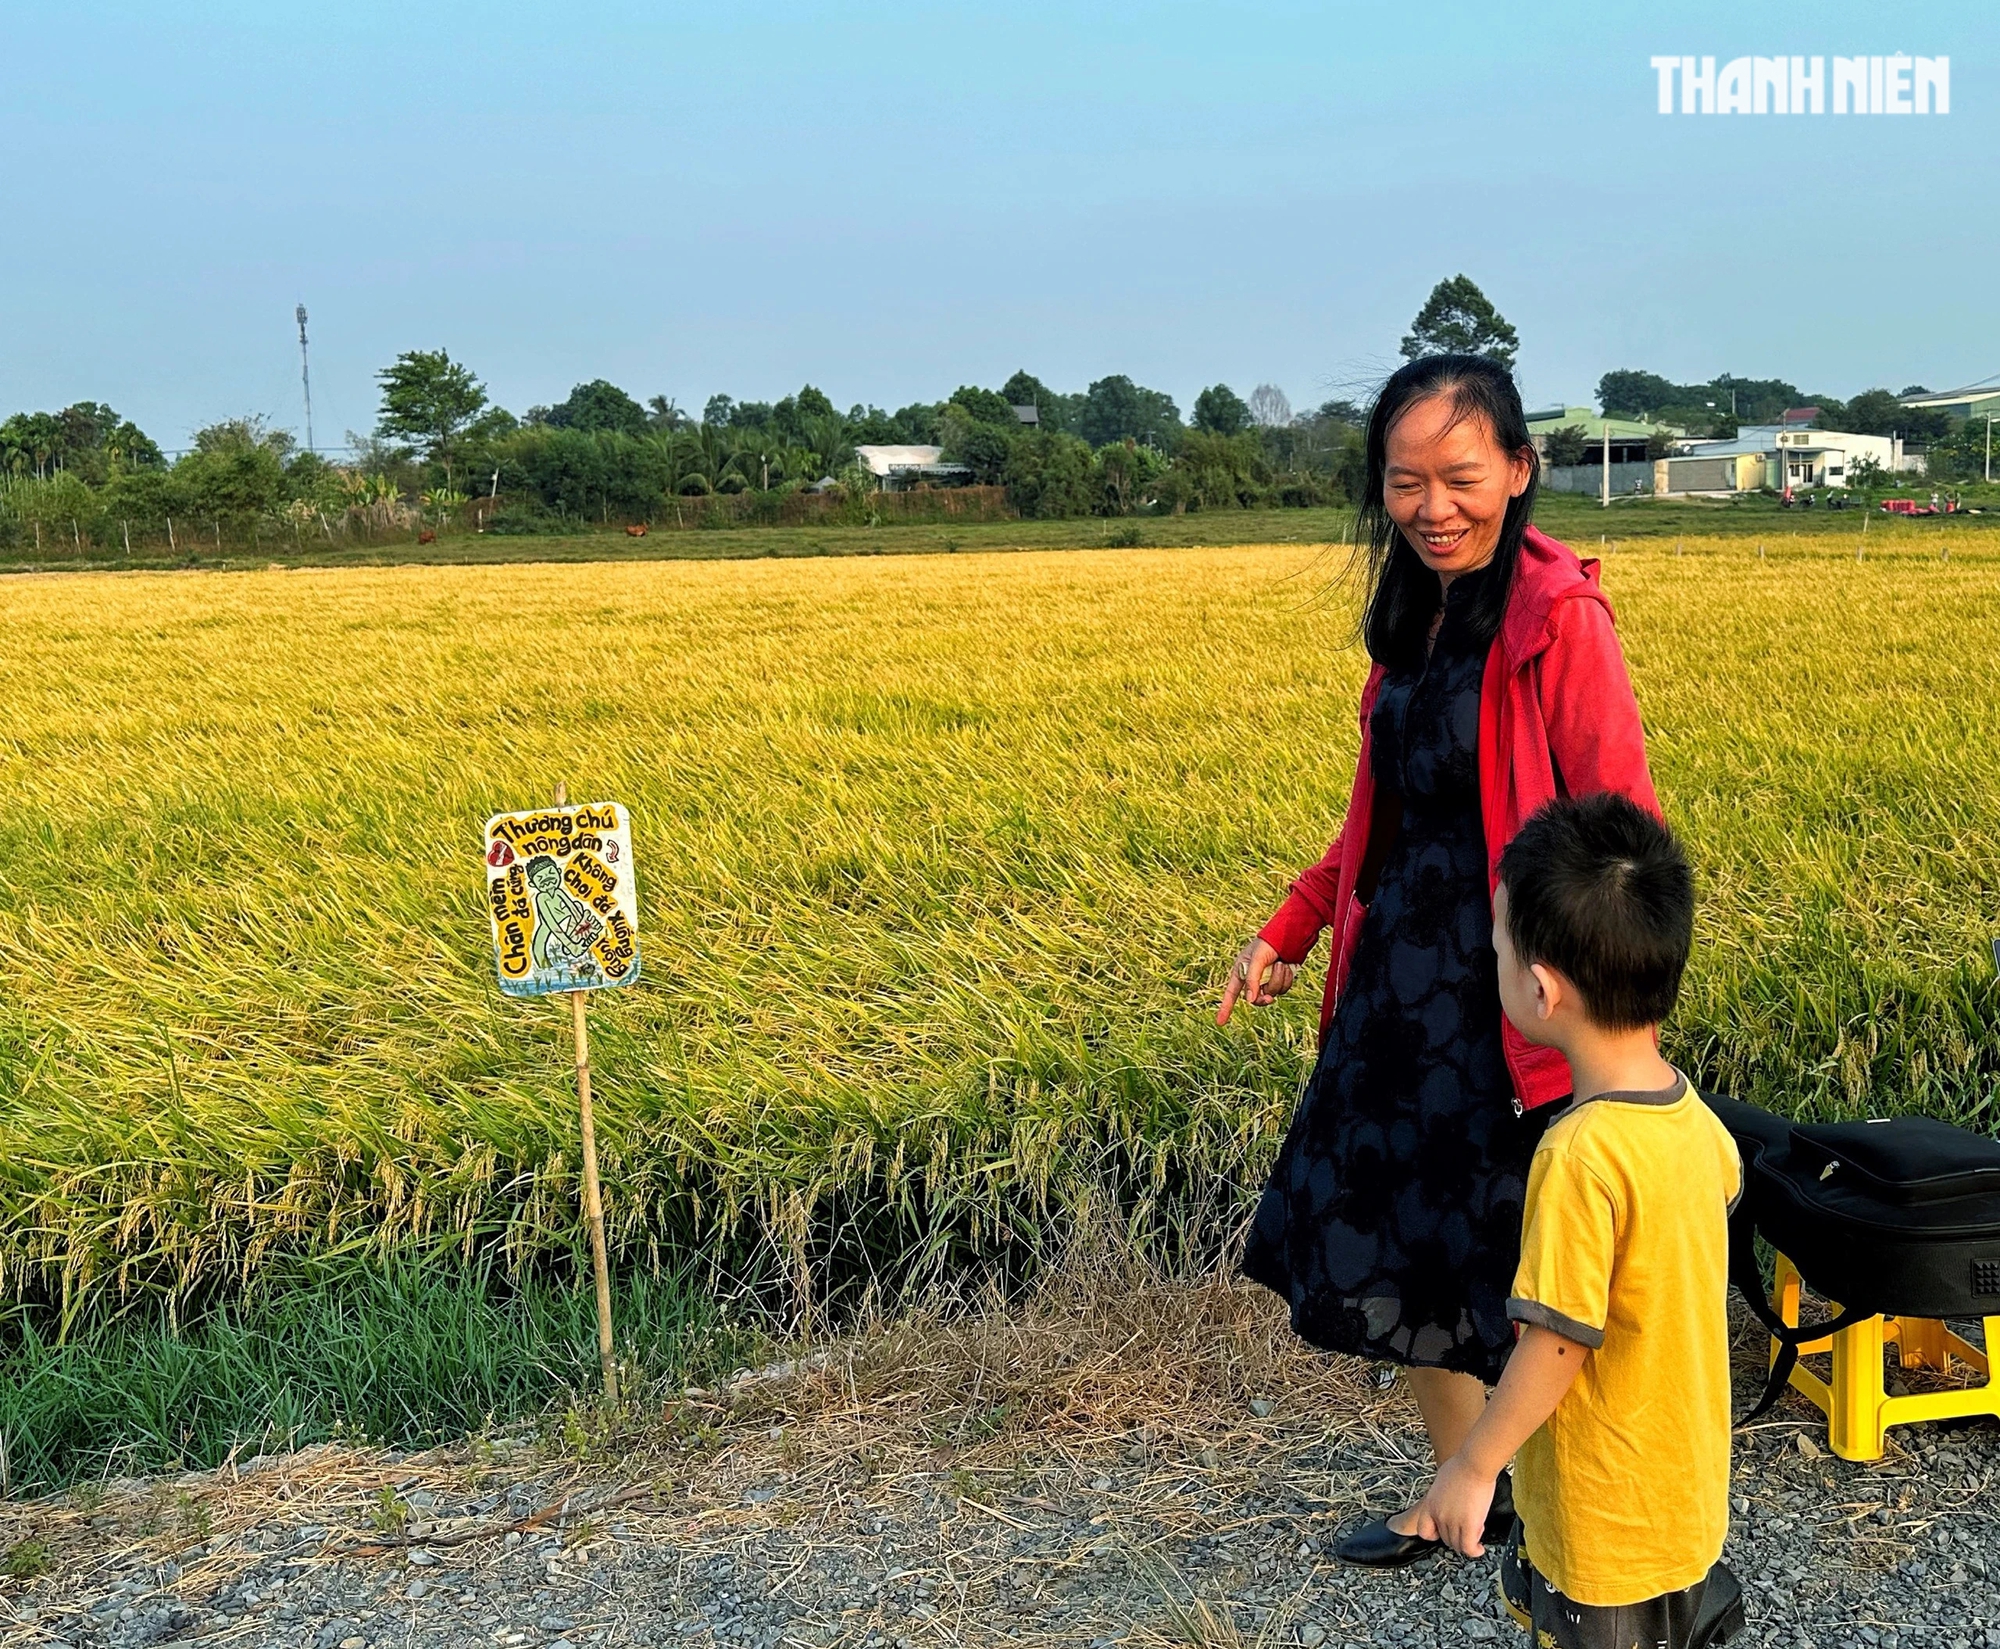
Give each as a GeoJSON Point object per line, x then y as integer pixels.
{"type": "Point", "coordinates": [985, 449]}
{"type": "Point", "coordinates": [237, 469]}
{"type": "Point", "coordinates": [429, 398]}
{"type": "Point", "coordinates": [598, 405]}
{"type": "Point", "coordinates": [88, 439]}
{"type": "Point", "coordinates": [1116, 409]}
{"type": "Point", "coordinates": [1219, 410]}
{"type": "Point", "coordinates": [986, 406]}
{"type": "Point", "coordinates": [1627, 393]}
{"type": "Point", "coordinates": [1459, 319]}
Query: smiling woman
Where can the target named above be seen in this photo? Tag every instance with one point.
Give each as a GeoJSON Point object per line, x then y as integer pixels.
{"type": "Point", "coordinates": [1392, 1221]}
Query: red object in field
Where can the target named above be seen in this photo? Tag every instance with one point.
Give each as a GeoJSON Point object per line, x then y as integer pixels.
{"type": "Point", "coordinates": [1907, 506]}
{"type": "Point", "coordinates": [635, 532]}
{"type": "Point", "coordinates": [427, 537]}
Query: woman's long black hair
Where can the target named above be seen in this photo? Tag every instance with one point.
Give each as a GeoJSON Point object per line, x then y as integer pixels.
{"type": "Point", "coordinates": [1402, 593]}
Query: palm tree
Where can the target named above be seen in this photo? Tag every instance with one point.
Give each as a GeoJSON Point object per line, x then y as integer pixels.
{"type": "Point", "coordinates": [707, 453]}
{"type": "Point", "coordinates": [758, 452]}
{"type": "Point", "coordinates": [798, 463]}
{"type": "Point", "coordinates": [828, 438]}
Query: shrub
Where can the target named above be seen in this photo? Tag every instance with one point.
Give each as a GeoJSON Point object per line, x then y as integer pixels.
{"type": "Point", "coordinates": [1050, 475]}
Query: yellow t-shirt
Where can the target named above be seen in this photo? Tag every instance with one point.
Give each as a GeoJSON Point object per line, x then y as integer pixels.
{"type": "Point", "coordinates": [1624, 1491]}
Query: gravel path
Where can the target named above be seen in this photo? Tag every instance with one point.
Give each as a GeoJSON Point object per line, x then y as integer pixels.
{"type": "Point", "coordinates": [999, 1484]}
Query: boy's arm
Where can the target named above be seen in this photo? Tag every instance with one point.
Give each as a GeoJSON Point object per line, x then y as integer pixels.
{"type": "Point", "coordinates": [1538, 1375]}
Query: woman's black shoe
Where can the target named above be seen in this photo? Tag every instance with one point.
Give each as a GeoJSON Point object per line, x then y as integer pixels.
{"type": "Point", "coordinates": [1377, 1546]}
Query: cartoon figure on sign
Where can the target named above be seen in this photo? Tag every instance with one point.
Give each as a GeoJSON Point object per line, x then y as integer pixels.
{"type": "Point", "coordinates": [563, 919]}
{"type": "Point", "coordinates": [564, 926]}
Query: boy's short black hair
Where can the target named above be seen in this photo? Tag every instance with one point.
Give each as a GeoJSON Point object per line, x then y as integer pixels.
{"type": "Point", "coordinates": [1599, 890]}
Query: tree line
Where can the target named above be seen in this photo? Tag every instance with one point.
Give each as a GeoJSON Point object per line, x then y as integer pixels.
{"type": "Point", "coordinates": [601, 456]}
{"type": "Point", "coordinates": [1719, 407]}
{"type": "Point", "coordinates": [1954, 448]}
{"type": "Point", "coordinates": [1115, 447]}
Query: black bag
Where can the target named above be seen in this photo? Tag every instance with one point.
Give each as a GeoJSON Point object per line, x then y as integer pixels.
{"type": "Point", "coordinates": [1893, 1218]}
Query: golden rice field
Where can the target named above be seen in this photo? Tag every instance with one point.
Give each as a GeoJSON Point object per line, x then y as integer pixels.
{"type": "Point", "coordinates": [940, 861]}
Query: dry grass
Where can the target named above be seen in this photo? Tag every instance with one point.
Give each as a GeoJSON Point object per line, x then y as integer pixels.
{"type": "Point", "coordinates": [1103, 1348]}
{"type": "Point", "coordinates": [992, 1413]}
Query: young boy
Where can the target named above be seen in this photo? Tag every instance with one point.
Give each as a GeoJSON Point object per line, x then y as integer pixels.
{"type": "Point", "coordinates": [1616, 1397]}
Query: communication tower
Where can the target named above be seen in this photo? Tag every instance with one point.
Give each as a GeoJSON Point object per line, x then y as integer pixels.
{"type": "Point", "coordinates": [305, 375]}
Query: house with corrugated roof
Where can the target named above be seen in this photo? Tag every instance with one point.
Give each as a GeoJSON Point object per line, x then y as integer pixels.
{"type": "Point", "coordinates": [1971, 402]}
{"type": "Point", "coordinates": [896, 469]}
{"type": "Point", "coordinates": [1628, 435]}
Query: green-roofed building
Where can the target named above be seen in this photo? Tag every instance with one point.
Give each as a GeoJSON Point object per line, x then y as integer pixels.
{"type": "Point", "coordinates": [1957, 403]}
{"type": "Point", "coordinates": [1628, 435]}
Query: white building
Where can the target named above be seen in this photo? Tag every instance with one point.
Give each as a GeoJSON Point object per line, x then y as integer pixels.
{"type": "Point", "coordinates": [1823, 457]}
{"type": "Point", "coordinates": [1778, 456]}
{"type": "Point", "coordinates": [898, 468]}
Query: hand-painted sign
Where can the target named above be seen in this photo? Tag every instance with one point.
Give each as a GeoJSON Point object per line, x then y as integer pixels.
{"type": "Point", "coordinates": [564, 904]}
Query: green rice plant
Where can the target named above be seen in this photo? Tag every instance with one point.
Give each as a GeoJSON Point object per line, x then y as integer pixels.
{"type": "Point", "coordinates": [401, 1353]}
{"type": "Point", "coordinates": [940, 861]}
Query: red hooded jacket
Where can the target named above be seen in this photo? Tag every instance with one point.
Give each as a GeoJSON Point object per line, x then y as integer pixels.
{"type": "Point", "coordinates": [1557, 717]}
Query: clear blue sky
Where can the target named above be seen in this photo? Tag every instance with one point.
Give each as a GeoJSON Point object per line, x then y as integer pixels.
{"type": "Point", "coordinates": [888, 201]}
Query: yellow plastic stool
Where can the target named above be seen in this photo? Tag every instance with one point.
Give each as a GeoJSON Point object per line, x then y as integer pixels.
{"type": "Point", "coordinates": [1858, 1411]}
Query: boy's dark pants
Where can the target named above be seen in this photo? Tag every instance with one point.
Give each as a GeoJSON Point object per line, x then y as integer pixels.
{"type": "Point", "coordinates": [1658, 1623]}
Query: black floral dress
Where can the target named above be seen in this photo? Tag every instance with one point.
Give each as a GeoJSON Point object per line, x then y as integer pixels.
{"type": "Point", "coordinates": [1392, 1221]}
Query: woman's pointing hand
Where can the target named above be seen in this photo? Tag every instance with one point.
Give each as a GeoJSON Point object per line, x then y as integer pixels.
{"type": "Point", "coordinates": [1256, 977]}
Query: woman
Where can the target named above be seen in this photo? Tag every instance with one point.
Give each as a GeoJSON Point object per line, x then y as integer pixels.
{"type": "Point", "coordinates": [1392, 1221]}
